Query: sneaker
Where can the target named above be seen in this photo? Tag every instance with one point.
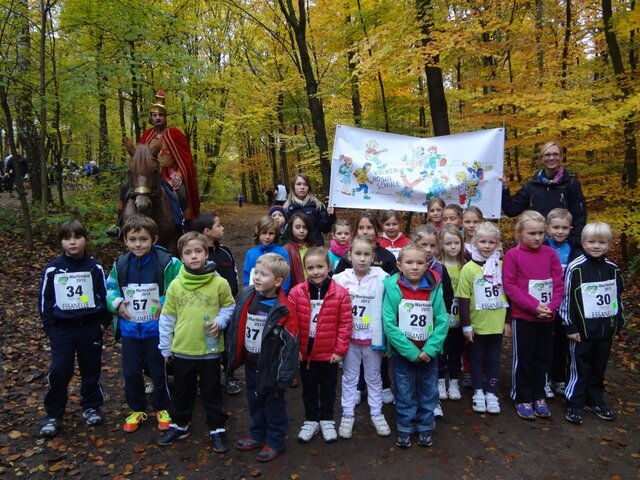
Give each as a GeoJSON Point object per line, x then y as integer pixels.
{"type": "Point", "coordinates": [328, 429]}
{"type": "Point", "coordinates": [308, 431]}
{"type": "Point", "coordinates": [442, 389]}
{"type": "Point", "coordinates": [479, 402]}
{"type": "Point", "coordinates": [548, 391]}
{"type": "Point", "coordinates": [466, 380]}
{"type": "Point", "coordinates": [92, 416]}
{"type": "Point", "coordinates": [454, 390]}
{"type": "Point", "coordinates": [219, 440]}
{"type": "Point", "coordinates": [425, 439]}
{"type": "Point", "coordinates": [559, 387]}
{"type": "Point", "coordinates": [541, 409]}
{"type": "Point", "coordinates": [437, 412]}
{"type": "Point", "coordinates": [164, 420]}
{"type": "Point", "coordinates": [174, 433]}
{"type": "Point", "coordinates": [267, 454]}
{"type": "Point", "coordinates": [403, 440]}
{"type": "Point", "coordinates": [114, 232]}
{"type": "Point", "coordinates": [50, 426]}
{"type": "Point", "coordinates": [381, 425]}
{"type": "Point", "coordinates": [247, 443]}
{"type": "Point", "coordinates": [232, 386]}
{"type": "Point", "coordinates": [525, 411]}
{"type": "Point", "coordinates": [493, 405]}
{"type": "Point", "coordinates": [133, 421]}
{"type": "Point", "coordinates": [358, 397]}
{"type": "Point", "coordinates": [573, 415]}
{"type": "Point", "coordinates": [601, 411]}
{"type": "Point", "coordinates": [387, 396]}
{"type": "Point", "coordinates": [346, 427]}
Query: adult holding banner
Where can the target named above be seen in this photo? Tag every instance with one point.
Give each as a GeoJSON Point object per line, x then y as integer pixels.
{"type": "Point", "coordinates": [302, 198]}
{"type": "Point", "coordinates": [551, 187]}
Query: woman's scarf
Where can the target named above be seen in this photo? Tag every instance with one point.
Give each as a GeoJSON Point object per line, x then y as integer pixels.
{"type": "Point", "coordinates": [554, 181]}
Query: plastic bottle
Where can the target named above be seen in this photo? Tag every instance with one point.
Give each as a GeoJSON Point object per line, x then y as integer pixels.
{"type": "Point", "coordinates": [208, 336]}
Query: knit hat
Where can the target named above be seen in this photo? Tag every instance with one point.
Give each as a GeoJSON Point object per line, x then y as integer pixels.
{"type": "Point", "coordinates": [278, 208]}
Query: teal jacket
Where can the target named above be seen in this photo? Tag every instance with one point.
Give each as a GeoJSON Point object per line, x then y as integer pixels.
{"type": "Point", "coordinates": [394, 291]}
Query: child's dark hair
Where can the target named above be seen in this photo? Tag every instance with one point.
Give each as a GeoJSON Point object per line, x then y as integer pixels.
{"type": "Point", "coordinates": [138, 222]}
{"type": "Point", "coordinates": [265, 224]}
{"type": "Point", "coordinates": [317, 252]}
{"type": "Point", "coordinates": [72, 227]}
{"type": "Point", "coordinates": [475, 210]}
{"type": "Point", "coordinates": [373, 219]}
{"type": "Point", "coordinates": [203, 221]}
{"type": "Point", "coordinates": [454, 231]}
{"type": "Point", "coordinates": [456, 208]}
{"type": "Point", "coordinates": [434, 200]}
{"type": "Point", "coordinates": [307, 223]}
{"type": "Point", "coordinates": [389, 214]}
{"type": "Point", "coordinates": [189, 236]}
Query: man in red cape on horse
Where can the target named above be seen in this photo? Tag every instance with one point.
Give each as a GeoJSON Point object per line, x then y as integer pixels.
{"type": "Point", "coordinates": [175, 158]}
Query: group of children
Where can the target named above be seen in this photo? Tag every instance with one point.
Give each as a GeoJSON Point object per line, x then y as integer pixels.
{"type": "Point", "coordinates": [434, 304]}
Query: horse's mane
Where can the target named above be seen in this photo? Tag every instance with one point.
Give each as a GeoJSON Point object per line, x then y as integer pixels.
{"type": "Point", "coordinates": [144, 160]}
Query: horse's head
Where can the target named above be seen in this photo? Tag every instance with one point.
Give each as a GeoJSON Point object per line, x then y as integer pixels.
{"type": "Point", "coordinates": [144, 173]}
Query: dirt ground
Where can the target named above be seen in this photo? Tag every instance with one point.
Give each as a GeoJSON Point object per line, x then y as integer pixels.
{"type": "Point", "coordinates": [466, 445]}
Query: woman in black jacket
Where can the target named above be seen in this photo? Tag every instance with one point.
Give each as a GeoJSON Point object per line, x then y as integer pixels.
{"type": "Point", "coordinates": [551, 187]}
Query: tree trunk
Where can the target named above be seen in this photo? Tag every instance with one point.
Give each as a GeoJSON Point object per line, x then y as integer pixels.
{"type": "Point", "coordinates": [44, 187]}
{"type": "Point", "coordinates": [135, 116]}
{"type": "Point", "coordinates": [213, 149]}
{"type": "Point", "coordinates": [104, 154]}
{"type": "Point", "coordinates": [283, 145]}
{"type": "Point", "coordinates": [299, 27]}
{"type": "Point", "coordinates": [123, 125]}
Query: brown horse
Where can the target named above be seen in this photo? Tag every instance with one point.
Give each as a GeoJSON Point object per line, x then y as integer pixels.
{"type": "Point", "coordinates": [146, 194]}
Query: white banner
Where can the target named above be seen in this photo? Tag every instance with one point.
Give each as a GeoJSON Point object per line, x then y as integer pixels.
{"type": "Point", "coordinates": [377, 170]}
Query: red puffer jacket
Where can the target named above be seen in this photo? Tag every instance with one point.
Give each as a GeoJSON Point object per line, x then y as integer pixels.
{"type": "Point", "coordinates": [333, 331]}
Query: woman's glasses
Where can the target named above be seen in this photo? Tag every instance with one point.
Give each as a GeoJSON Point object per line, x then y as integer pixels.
{"type": "Point", "coordinates": [552, 155]}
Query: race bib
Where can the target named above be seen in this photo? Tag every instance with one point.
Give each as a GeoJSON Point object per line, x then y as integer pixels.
{"type": "Point", "coordinates": [600, 299]}
{"type": "Point", "coordinates": [316, 305]}
{"type": "Point", "coordinates": [415, 319]}
{"type": "Point", "coordinates": [541, 290]}
{"type": "Point", "coordinates": [361, 311]}
{"type": "Point", "coordinates": [144, 301]}
{"type": "Point", "coordinates": [73, 291]}
{"type": "Point", "coordinates": [253, 333]}
{"type": "Point", "coordinates": [454, 316]}
{"type": "Point", "coordinates": [395, 251]}
{"type": "Point", "coordinates": [488, 297]}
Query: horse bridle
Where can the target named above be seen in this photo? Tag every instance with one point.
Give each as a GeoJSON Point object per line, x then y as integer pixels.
{"type": "Point", "coordinates": [146, 191]}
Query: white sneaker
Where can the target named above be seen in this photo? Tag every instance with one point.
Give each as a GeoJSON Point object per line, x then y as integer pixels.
{"type": "Point", "coordinates": [454, 390]}
{"type": "Point", "coordinates": [308, 431]}
{"type": "Point", "coordinates": [479, 402]}
{"type": "Point", "coordinates": [466, 380]}
{"type": "Point", "coordinates": [437, 412]}
{"type": "Point", "coordinates": [346, 427]}
{"type": "Point", "coordinates": [548, 391]}
{"type": "Point", "coordinates": [442, 389]}
{"type": "Point", "coordinates": [328, 429]}
{"type": "Point", "coordinates": [358, 397]}
{"type": "Point", "coordinates": [387, 396]}
{"type": "Point", "coordinates": [381, 425]}
{"type": "Point", "coordinates": [493, 405]}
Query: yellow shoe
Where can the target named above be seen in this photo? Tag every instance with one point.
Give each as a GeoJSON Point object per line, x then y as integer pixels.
{"type": "Point", "coordinates": [133, 421]}
{"type": "Point", "coordinates": [164, 420]}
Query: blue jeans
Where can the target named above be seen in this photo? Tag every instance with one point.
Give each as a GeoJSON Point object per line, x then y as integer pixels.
{"type": "Point", "coordinates": [269, 421]}
{"type": "Point", "coordinates": [416, 394]}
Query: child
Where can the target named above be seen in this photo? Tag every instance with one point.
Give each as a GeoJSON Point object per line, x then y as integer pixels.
{"type": "Point", "coordinates": [426, 236]}
{"type": "Point", "coordinates": [72, 308]}
{"type": "Point", "coordinates": [532, 277]}
{"type": "Point", "coordinates": [324, 318]}
{"type": "Point", "coordinates": [279, 214]}
{"type": "Point", "coordinates": [265, 237]}
{"type": "Point", "coordinates": [269, 354]}
{"type": "Point", "coordinates": [209, 224]}
{"type": "Point", "coordinates": [416, 323]}
{"type": "Point", "coordinates": [135, 291]}
{"type": "Point", "coordinates": [392, 237]}
{"type": "Point", "coordinates": [452, 215]}
{"type": "Point", "coordinates": [558, 225]}
{"type": "Point", "coordinates": [364, 283]}
{"type": "Point", "coordinates": [452, 255]}
{"type": "Point", "coordinates": [435, 208]}
{"type": "Point", "coordinates": [471, 218]}
{"type": "Point", "coordinates": [341, 237]}
{"type": "Point", "coordinates": [592, 316]}
{"type": "Point", "coordinates": [298, 231]}
{"type": "Point", "coordinates": [483, 308]}
{"type": "Point", "coordinates": [197, 308]}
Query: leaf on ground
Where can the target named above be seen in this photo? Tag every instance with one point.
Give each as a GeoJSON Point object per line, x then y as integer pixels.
{"type": "Point", "coordinates": [313, 451]}
{"type": "Point", "coordinates": [256, 472]}
{"type": "Point", "coordinates": [128, 469]}
{"type": "Point", "coordinates": [14, 434]}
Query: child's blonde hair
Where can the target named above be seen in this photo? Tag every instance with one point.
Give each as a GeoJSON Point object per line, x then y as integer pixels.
{"type": "Point", "coordinates": [475, 210]}
{"type": "Point", "coordinates": [411, 246]}
{"type": "Point", "coordinates": [526, 216]}
{"type": "Point", "coordinates": [599, 230]}
{"type": "Point", "coordinates": [317, 252]}
{"type": "Point", "coordinates": [184, 240]}
{"type": "Point", "coordinates": [451, 230]}
{"type": "Point", "coordinates": [488, 229]}
{"type": "Point", "coordinates": [422, 231]}
{"type": "Point", "coordinates": [275, 263]}
{"type": "Point", "coordinates": [263, 225]}
{"type": "Point", "coordinates": [363, 239]}
{"type": "Point", "coordinates": [559, 213]}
